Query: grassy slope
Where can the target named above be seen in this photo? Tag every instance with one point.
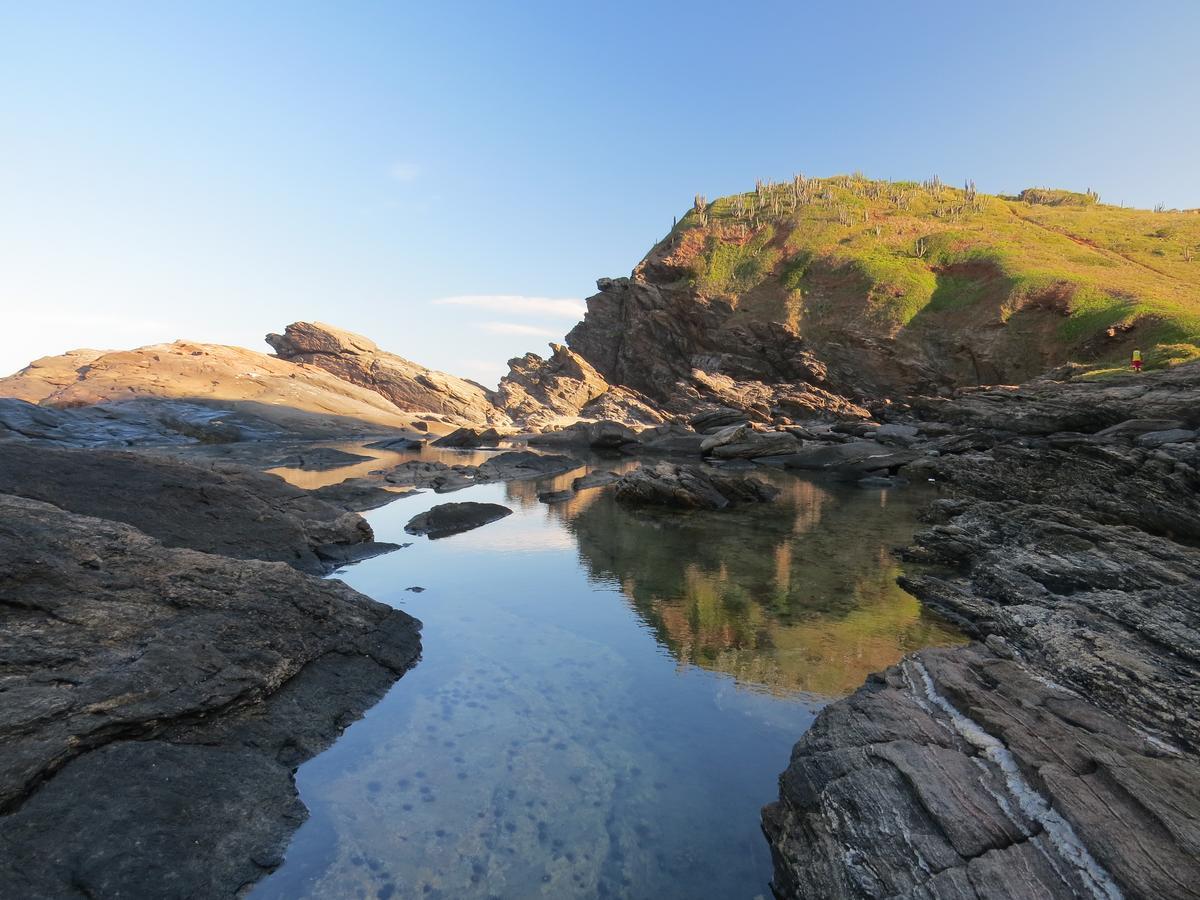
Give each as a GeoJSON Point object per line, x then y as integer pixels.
{"type": "Point", "coordinates": [902, 255]}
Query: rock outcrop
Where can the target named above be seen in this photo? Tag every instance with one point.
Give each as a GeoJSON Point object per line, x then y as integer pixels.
{"type": "Point", "coordinates": [540, 391]}
{"type": "Point", "coordinates": [684, 351]}
{"type": "Point", "coordinates": [227, 382]}
{"type": "Point", "coordinates": [403, 383]}
{"type": "Point", "coordinates": [218, 508]}
{"type": "Point", "coordinates": [1058, 755]}
{"type": "Point", "coordinates": [690, 487]}
{"type": "Point", "coordinates": [175, 691]}
{"type": "Point", "coordinates": [447, 519]}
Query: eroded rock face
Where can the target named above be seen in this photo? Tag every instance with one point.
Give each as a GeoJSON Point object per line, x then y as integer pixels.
{"type": "Point", "coordinates": [175, 691]}
{"type": "Point", "coordinates": [690, 487]}
{"type": "Point", "coordinates": [407, 385]}
{"type": "Point", "coordinates": [218, 508]}
{"type": "Point", "coordinates": [249, 392]}
{"type": "Point", "coordinates": [539, 391]}
{"type": "Point", "coordinates": [686, 352]}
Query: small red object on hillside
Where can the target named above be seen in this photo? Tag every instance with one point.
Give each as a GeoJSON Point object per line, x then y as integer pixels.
{"type": "Point", "coordinates": [1137, 360]}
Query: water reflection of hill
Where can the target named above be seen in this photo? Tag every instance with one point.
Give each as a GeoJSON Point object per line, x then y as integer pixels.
{"type": "Point", "coordinates": [800, 595]}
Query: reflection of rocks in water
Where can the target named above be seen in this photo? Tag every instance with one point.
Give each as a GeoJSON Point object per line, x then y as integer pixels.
{"type": "Point", "coordinates": [798, 596]}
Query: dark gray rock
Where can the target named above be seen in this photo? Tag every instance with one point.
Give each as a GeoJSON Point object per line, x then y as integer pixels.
{"type": "Point", "coordinates": [519, 465]}
{"type": "Point", "coordinates": [1170, 436]}
{"type": "Point", "coordinates": [217, 508]}
{"type": "Point", "coordinates": [902, 435]}
{"type": "Point", "coordinates": [321, 458]}
{"type": "Point", "coordinates": [856, 457]}
{"type": "Point", "coordinates": [358, 494]}
{"type": "Point", "coordinates": [454, 518]}
{"type": "Point", "coordinates": [469, 438]}
{"type": "Point", "coordinates": [715, 420]}
{"type": "Point", "coordinates": [744, 442]}
{"type": "Point", "coordinates": [690, 487]}
{"type": "Point", "coordinates": [602, 435]}
{"type": "Point", "coordinates": [594, 479]}
{"type": "Point", "coordinates": [157, 701]}
{"type": "Point", "coordinates": [400, 444]}
{"type": "Point", "coordinates": [555, 496]}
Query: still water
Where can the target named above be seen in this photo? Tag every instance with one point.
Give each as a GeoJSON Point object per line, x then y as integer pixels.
{"type": "Point", "coordinates": [606, 697]}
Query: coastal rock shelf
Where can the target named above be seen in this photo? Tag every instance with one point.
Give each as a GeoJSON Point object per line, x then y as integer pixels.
{"type": "Point", "coordinates": [174, 690]}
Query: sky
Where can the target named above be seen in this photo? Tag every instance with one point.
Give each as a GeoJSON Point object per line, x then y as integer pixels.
{"type": "Point", "coordinates": [451, 178]}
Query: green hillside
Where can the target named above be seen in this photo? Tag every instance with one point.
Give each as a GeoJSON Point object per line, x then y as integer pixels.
{"type": "Point", "coordinates": [1088, 280]}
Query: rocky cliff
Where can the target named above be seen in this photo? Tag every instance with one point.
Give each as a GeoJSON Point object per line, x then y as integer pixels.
{"type": "Point", "coordinates": [405, 384]}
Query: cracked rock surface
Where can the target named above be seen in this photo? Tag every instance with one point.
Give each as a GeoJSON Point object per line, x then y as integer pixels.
{"type": "Point", "coordinates": [156, 701]}
{"type": "Point", "coordinates": [1059, 754]}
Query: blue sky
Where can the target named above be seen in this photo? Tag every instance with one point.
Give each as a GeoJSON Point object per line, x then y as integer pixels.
{"type": "Point", "coordinates": [216, 170]}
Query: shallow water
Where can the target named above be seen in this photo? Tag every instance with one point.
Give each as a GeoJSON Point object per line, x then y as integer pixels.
{"type": "Point", "coordinates": [606, 697]}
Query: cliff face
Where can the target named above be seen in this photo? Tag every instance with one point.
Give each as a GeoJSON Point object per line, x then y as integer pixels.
{"type": "Point", "coordinates": [869, 289]}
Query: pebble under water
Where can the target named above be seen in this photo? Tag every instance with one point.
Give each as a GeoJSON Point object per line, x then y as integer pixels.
{"type": "Point", "coordinates": [606, 697]}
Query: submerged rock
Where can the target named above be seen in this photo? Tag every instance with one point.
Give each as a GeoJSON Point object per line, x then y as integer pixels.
{"type": "Point", "coordinates": [454, 518]}
{"type": "Point", "coordinates": [690, 487]}
{"type": "Point", "coordinates": [320, 458]}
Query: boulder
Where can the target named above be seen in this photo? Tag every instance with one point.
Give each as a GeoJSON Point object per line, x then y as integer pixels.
{"type": "Point", "coordinates": [863, 456]}
{"type": "Point", "coordinates": [555, 496]}
{"type": "Point", "coordinates": [715, 420]}
{"type": "Point", "coordinates": [469, 438]}
{"type": "Point", "coordinates": [743, 442]}
{"type": "Point", "coordinates": [689, 487]}
{"type": "Point", "coordinates": [520, 465]}
{"type": "Point", "coordinates": [603, 435]}
{"type": "Point", "coordinates": [454, 518]}
{"type": "Point", "coordinates": [594, 479]}
{"type": "Point", "coordinates": [903, 435]}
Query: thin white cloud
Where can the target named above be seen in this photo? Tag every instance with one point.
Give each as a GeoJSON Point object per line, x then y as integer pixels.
{"type": "Point", "coordinates": [512, 303]}
{"type": "Point", "coordinates": [517, 328]}
{"type": "Point", "coordinates": [404, 171]}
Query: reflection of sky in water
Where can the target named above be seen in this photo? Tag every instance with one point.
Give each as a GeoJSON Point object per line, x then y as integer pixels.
{"type": "Point", "coordinates": [605, 699]}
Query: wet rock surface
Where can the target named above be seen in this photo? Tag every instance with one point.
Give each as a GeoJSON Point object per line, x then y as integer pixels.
{"type": "Point", "coordinates": [174, 690]}
{"type": "Point", "coordinates": [454, 518]}
{"type": "Point", "coordinates": [690, 487]}
{"type": "Point", "coordinates": [216, 508]}
{"type": "Point", "coordinates": [1059, 755]}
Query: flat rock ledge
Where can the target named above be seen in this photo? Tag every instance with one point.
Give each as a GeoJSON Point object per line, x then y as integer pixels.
{"type": "Point", "coordinates": [1057, 757]}
{"type": "Point", "coordinates": [157, 700]}
{"type": "Point", "coordinates": [447, 519]}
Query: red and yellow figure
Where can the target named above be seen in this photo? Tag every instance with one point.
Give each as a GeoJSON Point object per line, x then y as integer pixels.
{"type": "Point", "coordinates": [1137, 360]}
